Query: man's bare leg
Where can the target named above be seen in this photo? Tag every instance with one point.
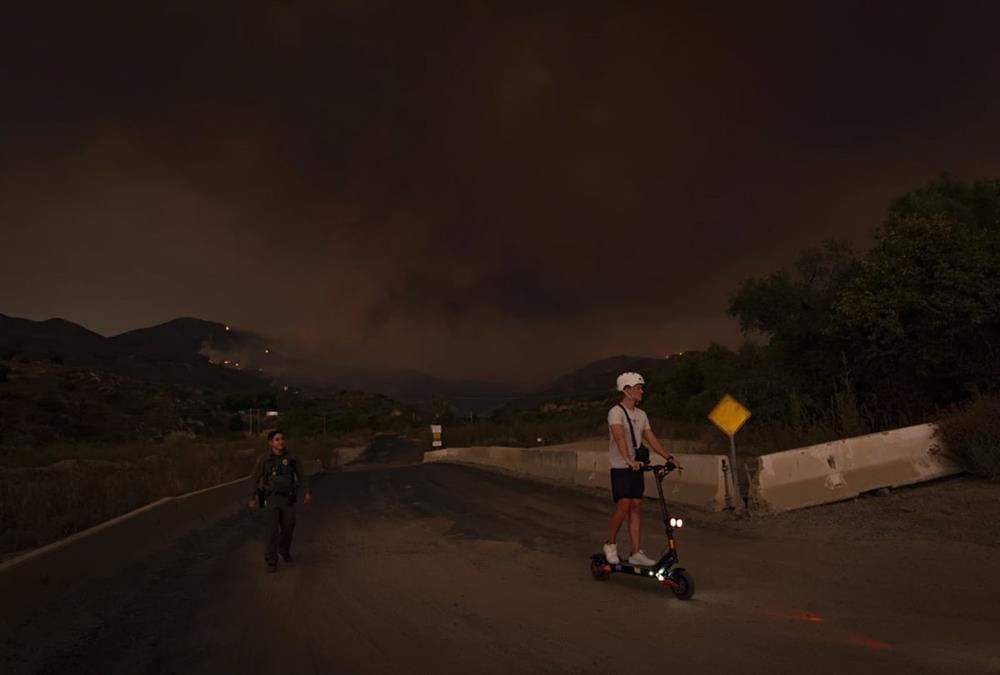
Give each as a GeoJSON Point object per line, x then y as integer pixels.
{"type": "Point", "coordinates": [617, 518]}
{"type": "Point", "coordinates": [634, 531]}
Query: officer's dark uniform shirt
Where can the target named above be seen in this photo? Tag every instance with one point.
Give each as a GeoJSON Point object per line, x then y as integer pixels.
{"type": "Point", "coordinates": [280, 477]}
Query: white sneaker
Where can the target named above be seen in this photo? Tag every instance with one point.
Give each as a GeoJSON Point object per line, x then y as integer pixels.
{"type": "Point", "coordinates": [641, 559]}
{"type": "Point", "coordinates": [611, 553]}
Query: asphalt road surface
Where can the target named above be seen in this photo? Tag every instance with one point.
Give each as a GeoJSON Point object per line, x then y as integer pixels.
{"type": "Point", "coordinates": [448, 569]}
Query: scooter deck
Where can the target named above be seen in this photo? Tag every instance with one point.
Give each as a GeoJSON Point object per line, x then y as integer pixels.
{"type": "Point", "coordinates": [625, 567]}
{"type": "Point", "coordinates": [636, 570]}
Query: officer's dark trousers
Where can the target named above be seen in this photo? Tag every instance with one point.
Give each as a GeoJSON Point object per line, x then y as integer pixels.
{"type": "Point", "coordinates": [280, 523]}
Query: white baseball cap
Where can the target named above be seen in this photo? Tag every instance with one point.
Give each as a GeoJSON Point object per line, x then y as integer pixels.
{"type": "Point", "coordinates": [629, 380]}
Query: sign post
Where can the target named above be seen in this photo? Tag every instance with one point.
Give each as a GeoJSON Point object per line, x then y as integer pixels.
{"type": "Point", "coordinates": [729, 415]}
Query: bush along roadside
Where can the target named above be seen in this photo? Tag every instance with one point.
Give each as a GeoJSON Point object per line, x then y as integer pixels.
{"type": "Point", "coordinates": [971, 434]}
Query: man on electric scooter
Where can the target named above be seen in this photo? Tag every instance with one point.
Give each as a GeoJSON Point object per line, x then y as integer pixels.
{"type": "Point", "coordinates": [629, 432]}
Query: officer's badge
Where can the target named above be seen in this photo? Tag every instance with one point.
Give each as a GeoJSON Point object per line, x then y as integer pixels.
{"type": "Point", "coordinates": [284, 462]}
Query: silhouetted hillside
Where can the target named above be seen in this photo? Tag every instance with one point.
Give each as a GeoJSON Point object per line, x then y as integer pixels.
{"type": "Point", "coordinates": [55, 340]}
{"type": "Point", "coordinates": [180, 338]}
{"type": "Point", "coordinates": [598, 378]}
{"type": "Point", "coordinates": [178, 352]}
{"type": "Point", "coordinates": [422, 390]}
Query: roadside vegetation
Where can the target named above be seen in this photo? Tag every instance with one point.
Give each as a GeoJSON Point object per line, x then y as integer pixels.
{"type": "Point", "coordinates": [972, 435]}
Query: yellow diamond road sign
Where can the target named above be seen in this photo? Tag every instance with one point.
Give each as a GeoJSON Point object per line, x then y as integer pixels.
{"type": "Point", "coordinates": [729, 415]}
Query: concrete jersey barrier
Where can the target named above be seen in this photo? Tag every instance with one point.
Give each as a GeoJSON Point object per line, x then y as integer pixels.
{"type": "Point", "coordinates": [702, 484]}
{"type": "Point", "coordinates": [341, 456]}
{"type": "Point", "coordinates": [818, 474]}
{"type": "Point", "coordinates": [830, 472]}
{"type": "Point", "coordinates": [311, 467]}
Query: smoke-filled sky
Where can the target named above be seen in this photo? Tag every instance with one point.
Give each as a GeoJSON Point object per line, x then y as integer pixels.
{"type": "Point", "coordinates": [498, 190]}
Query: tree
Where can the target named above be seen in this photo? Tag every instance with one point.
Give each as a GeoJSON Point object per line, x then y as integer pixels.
{"type": "Point", "coordinates": [796, 308]}
{"type": "Point", "coordinates": [235, 423]}
{"type": "Point", "coordinates": [925, 306]}
{"type": "Point", "coordinates": [441, 411]}
{"type": "Point", "coordinates": [804, 360]}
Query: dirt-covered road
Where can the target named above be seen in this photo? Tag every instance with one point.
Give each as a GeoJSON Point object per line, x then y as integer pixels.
{"type": "Point", "coordinates": [448, 569]}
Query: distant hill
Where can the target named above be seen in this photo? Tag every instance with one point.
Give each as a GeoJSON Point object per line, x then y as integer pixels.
{"type": "Point", "coordinates": [211, 355]}
{"type": "Point", "coordinates": [596, 381]}
{"type": "Point", "coordinates": [422, 390]}
{"type": "Point", "coordinates": [598, 378]}
{"type": "Point", "coordinates": [206, 351]}
{"type": "Point", "coordinates": [222, 345]}
{"type": "Point", "coordinates": [52, 340]}
{"type": "Point", "coordinates": [62, 382]}
{"type": "Point", "coordinates": [173, 352]}
{"type": "Point", "coordinates": [180, 338]}
{"type": "Point", "coordinates": [193, 352]}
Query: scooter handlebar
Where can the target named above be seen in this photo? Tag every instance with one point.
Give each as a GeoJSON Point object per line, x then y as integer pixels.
{"type": "Point", "coordinates": [666, 467]}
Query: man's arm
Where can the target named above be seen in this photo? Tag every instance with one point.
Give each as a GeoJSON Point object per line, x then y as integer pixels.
{"type": "Point", "coordinates": [654, 443]}
{"type": "Point", "coordinates": [302, 481]}
{"type": "Point", "coordinates": [618, 432]}
{"type": "Point", "coordinates": [255, 478]}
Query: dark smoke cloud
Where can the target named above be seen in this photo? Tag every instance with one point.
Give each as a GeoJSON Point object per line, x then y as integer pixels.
{"type": "Point", "coordinates": [473, 189]}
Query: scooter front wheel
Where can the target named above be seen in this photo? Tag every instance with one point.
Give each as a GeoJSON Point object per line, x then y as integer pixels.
{"type": "Point", "coordinates": [683, 586]}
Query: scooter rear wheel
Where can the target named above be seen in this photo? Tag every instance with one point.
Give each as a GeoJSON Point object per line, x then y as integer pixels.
{"type": "Point", "coordinates": [598, 570]}
{"type": "Point", "coordinates": [684, 588]}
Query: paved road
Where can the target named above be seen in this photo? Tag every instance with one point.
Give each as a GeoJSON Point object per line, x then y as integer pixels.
{"type": "Point", "coordinates": [447, 569]}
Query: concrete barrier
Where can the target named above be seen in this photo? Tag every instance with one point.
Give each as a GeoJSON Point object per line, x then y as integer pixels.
{"type": "Point", "coordinates": [702, 484]}
{"type": "Point", "coordinates": [311, 467]}
{"type": "Point", "coordinates": [341, 456]}
{"type": "Point", "coordinates": [830, 472]}
{"type": "Point", "coordinates": [42, 576]}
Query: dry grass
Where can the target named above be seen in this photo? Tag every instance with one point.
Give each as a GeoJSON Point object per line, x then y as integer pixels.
{"type": "Point", "coordinates": [41, 504]}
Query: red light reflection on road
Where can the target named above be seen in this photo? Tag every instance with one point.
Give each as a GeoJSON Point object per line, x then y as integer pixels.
{"type": "Point", "coordinates": [805, 616]}
{"type": "Point", "coordinates": [869, 642]}
{"type": "Point", "coordinates": [856, 639]}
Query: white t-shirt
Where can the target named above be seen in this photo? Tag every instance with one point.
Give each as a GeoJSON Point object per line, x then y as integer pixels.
{"type": "Point", "coordinates": [639, 422]}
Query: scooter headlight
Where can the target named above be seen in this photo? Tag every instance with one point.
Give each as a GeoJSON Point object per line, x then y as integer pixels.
{"type": "Point", "coordinates": [673, 522]}
{"type": "Point", "coordinates": [676, 522]}
{"type": "Point", "coordinates": [680, 522]}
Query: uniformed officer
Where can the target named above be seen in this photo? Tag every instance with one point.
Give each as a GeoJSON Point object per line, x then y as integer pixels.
{"type": "Point", "coordinates": [277, 479]}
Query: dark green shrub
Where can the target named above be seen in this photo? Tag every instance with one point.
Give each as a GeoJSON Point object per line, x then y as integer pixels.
{"type": "Point", "coordinates": [972, 436]}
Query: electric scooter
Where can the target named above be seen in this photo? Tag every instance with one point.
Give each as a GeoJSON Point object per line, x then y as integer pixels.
{"type": "Point", "coordinates": [664, 570]}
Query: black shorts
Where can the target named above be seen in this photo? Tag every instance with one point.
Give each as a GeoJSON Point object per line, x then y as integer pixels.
{"type": "Point", "coordinates": [627, 484]}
